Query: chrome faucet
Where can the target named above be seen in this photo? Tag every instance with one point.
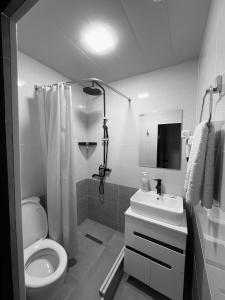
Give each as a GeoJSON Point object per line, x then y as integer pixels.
{"type": "Point", "coordinates": [158, 186]}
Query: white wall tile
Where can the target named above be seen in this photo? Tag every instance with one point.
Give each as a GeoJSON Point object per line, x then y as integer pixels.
{"type": "Point", "coordinates": [31, 72]}
{"type": "Point", "coordinates": [169, 89]}
{"type": "Point", "coordinates": [31, 171]}
{"type": "Point", "coordinates": [211, 64]}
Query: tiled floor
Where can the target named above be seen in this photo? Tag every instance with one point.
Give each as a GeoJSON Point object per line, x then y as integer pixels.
{"type": "Point", "coordinates": [94, 261]}
{"type": "Point", "coordinates": [132, 289]}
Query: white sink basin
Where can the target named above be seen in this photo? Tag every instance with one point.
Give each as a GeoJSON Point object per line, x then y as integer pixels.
{"type": "Point", "coordinates": [166, 208]}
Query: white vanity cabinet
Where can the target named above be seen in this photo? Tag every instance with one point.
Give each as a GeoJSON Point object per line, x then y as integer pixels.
{"type": "Point", "coordinates": [155, 253]}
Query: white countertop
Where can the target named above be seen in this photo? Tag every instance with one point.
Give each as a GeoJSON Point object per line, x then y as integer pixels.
{"type": "Point", "coordinates": [179, 228]}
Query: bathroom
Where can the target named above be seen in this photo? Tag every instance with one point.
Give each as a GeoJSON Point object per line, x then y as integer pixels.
{"type": "Point", "coordinates": [66, 89]}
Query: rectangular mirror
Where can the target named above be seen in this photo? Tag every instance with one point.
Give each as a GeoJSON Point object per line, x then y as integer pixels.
{"type": "Point", "coordinates": [160, 139]}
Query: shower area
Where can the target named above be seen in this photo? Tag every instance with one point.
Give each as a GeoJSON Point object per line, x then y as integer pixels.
{"type": "Point", "coordinates": [66, 158]}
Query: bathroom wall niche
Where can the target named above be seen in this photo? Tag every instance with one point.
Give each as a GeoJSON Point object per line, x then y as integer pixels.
{"type": "Point", "coordinates": [160, 139]}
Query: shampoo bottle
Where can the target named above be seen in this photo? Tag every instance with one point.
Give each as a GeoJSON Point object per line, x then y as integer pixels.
{"type": "Point", "coordinates": [145, 186]}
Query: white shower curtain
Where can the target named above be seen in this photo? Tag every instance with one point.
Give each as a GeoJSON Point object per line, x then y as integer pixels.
{"type": "Point", "coordinates": [57, 136]}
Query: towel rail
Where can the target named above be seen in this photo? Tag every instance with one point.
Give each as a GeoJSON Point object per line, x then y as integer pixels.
{"type": "Point", "coordinates": [211, 91]}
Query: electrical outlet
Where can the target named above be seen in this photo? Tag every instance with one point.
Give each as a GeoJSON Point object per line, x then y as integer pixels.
{"type": "Point", "coordinates": [185, 134]}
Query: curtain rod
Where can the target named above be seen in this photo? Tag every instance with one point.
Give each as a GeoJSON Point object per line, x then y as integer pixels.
{"type": "Point", "coordinates": [37, 87]}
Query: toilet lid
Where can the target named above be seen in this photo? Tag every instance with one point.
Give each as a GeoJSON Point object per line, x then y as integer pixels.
{"type": "Point", "coordinates": [34, 221]}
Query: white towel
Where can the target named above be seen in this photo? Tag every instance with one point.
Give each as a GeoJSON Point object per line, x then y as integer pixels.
{"type": "Point", "coordinates": [208, 181]}
{"type": "Point", "coordinates": [195, 167]}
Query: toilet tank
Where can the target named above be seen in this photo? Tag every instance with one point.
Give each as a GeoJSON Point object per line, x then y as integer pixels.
{"type": "Point", "coordinates": [34, 221]}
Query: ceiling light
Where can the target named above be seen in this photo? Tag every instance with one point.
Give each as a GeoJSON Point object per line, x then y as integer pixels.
{"type": "Point", "coordinates": [99, 38]}
{"type": "Point", "coordinates": [143, 95]}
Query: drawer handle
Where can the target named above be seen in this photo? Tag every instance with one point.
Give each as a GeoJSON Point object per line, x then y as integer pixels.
{"type": "Point", "coordinates": [159, 262]}
{"type": "Point", "coordinates": [158, 242]}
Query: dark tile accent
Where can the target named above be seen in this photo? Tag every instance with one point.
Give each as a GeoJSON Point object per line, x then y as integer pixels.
{"type": "Point", "coordinates": [103, 216]}
{"type": "Point", "coordinates": [125, 193]}
{"type": "Point", "coordinates": [121, 224]}
{"type": "Point", "coordinates": [116, 202]}
{"type": "Point", "coordinates": [110, 190]}
{"type": "Point", "coordinates": [82, 188]}
{"type": "Point", "coordinates": [83, 199]}
{"type": "Point", "coordinates": [105, 213]}
{"type": "Point", "coordinates": [82, 210]}
{"type": "Point", "coordinates": [93, 187]}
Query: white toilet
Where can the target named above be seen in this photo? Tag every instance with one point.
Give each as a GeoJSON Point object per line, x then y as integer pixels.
{"type": "Point", "coordinates": [45, 261]}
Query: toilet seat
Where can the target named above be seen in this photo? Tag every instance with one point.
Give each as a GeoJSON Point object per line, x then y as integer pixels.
{"type": "Point", "coordinates": [37, 248]}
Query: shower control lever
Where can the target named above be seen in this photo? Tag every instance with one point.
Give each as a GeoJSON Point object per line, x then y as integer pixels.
{"type": "Point", "coordinates": [102, 171]}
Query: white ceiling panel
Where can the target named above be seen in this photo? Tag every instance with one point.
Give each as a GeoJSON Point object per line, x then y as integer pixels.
{"type": "Point", "coordinates": [187, 23]}
{"type": "Point", "coordinates": [150, 35]}
{"type": "Point", "coordinates": [150, 23]}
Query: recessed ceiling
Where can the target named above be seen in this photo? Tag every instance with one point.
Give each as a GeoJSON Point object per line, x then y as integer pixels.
{"type": "Point", "coordinates": [151, 35]}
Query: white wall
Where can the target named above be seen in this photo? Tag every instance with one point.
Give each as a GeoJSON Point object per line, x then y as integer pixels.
{"type": "Point", "coordinates": [170, 88]}
{"type": "Point", "coordinates": [31, 72]}
{"type": "Point", "coordinates": [211, 64]}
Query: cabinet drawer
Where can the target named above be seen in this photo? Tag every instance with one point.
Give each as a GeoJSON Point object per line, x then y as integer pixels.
{"type": "Point", "coordinates": [154, 248]}
{"type": "Point", "coordinates": [174, 259]}
{"type": "Point", "coordinates": [136, 265]}
{"type": "Point", "coordinates": [168, 282]}
{"type": "Point", "coordinates": [172, 237]}
{"type": "Point", "coordinates": [158, 275]}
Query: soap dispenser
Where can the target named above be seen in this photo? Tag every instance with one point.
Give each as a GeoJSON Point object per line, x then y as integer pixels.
{"type": "Point", "coordinates": [145, 186]}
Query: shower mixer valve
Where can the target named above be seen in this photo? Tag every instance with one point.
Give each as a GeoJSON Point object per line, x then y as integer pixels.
{"type": "Point", "coordinates": [102, 170]}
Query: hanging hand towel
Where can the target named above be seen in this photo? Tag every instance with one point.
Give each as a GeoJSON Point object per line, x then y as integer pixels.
{"type": "Point", "coordinates": [195, 167]}
{"type": "Point", "coordinates": [208, 183]}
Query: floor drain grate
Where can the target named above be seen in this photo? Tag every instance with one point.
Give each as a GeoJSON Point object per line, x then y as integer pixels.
{"type": "Point", "coordinates": [91, 237]}
{"type": "Point", "coordinates": [72, 262]}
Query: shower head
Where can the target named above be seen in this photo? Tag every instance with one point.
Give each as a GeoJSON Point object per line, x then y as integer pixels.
{"type": "Point", "coordinates": [91, 90]}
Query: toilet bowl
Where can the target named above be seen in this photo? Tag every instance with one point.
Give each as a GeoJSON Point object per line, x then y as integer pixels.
{"type": "Point", "coordinates": [45, 261]}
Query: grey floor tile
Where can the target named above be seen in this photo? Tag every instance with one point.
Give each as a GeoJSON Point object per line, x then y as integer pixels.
{"type": "Point", "coordinates": [89, 288]}
{"type": "Point", "coordinates": [88, 254]}
{"type": "Point", "coordinates": [67, 288]}
{"type": "Point", "coordinates": [86, 226]}
{"type": "Point", "coordinates": [93, 261]}
{"type": "Point", "coordinates": [102, 232]}
{"type": "Point", "coordinates": [132, 289]}
{"type": "Point", "coordinates": [117, 241]}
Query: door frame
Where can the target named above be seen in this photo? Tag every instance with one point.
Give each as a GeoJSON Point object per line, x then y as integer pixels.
{"type": "Point", "coordinates": [12, 273]}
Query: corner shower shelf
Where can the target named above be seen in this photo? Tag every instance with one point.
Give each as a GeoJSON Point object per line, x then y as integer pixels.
{"type": "Point", "coordinates": [87, 144]}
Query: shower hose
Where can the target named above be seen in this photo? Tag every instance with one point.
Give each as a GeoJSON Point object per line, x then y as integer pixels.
{"type": "Point", "coordinates": [103, 168]}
